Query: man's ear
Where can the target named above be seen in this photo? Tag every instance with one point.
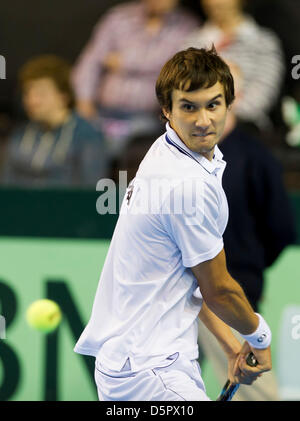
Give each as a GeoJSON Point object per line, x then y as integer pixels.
{"type": "Point", "coordinates": [166, 113]}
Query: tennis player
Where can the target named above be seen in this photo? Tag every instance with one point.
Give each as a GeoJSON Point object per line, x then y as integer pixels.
{"type": "Point", "coordinates": [166, 260]}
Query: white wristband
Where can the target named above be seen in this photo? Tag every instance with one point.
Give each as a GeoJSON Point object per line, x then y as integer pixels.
{"type": "Point", "coordinates": [261, 338]}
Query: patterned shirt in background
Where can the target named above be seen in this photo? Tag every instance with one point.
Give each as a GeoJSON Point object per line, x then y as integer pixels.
{"type": "Point", "coordinates": [257, 51]}
{"type": "Point", "coordinates": [122, 30]}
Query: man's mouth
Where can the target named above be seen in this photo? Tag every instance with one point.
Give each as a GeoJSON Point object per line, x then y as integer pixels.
{"type": "Point", "coordinates": [202, 134]}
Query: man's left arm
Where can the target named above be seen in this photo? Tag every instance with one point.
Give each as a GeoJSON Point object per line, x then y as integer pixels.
{"type": "Point", "coordinates": [228, 342]}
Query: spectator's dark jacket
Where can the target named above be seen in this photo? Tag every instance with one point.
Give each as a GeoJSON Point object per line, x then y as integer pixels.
{"type": "Point", "coordinates": [261, 222]}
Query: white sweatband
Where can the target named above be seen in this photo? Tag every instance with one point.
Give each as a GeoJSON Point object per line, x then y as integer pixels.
{"type": "Point", "coordinates": [261, 338]}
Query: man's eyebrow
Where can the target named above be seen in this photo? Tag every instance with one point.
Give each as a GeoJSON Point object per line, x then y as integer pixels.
{"type": "Point", "coordinates": [193, 102]}
{"type": "Point", "coordinates": [215, 97]}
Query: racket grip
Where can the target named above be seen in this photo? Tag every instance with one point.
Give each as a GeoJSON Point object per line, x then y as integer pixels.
{"type": "Point", "coordinates": [230, 389]}
{"type": "Point", "coordinates": [251, 360]}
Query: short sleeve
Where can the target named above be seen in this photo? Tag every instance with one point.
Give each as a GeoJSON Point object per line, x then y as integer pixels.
{"type": "Point", "coordinates": [190, 216]}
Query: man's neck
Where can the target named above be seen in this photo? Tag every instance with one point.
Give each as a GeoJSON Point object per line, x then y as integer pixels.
{"type": "Point", "coordinates": [209, 155]}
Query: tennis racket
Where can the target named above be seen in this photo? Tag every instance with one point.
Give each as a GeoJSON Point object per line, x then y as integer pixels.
{"type": "Point", "coordinates": [229, 388]}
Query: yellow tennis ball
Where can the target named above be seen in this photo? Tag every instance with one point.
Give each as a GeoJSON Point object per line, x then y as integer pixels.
{"type": "Point", "coordinates": [44, 315]}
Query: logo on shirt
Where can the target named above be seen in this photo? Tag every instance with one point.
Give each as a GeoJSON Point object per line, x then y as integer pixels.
{"type": "Point", "coordinates": [183, 197]}
{"type": "Point", "coordinates": [129, 193]}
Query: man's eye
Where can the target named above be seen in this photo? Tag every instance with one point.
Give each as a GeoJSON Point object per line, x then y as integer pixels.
{"type": "Point", "coordinates": [213, 105]}
{"type": "Point", "coordinates": [188, 107]}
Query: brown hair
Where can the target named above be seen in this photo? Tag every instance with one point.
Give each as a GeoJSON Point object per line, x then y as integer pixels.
{"type": "Point", "coordinates": [190, 70]}
{"type": "Point", "coordinates": [52, 67]}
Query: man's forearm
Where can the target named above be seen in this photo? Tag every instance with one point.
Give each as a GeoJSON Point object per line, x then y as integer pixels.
{"type": "Point", "coordinates": [231, 305]}
{"type": "Point", "coordinates": [224, 296]}
{"type": "Point", "coordinates": [220, 330]}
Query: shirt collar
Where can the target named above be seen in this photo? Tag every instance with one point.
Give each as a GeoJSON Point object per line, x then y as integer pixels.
{"type": "Point", "coordinates": [214, 165]}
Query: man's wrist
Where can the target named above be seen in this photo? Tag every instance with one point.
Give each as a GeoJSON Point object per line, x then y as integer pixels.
{"type": "Point", "coordinates": [262, 336]}
{"type": "Point", "coordinates": [231, 347]}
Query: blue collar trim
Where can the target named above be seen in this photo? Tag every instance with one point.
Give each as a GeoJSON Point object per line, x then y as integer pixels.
{"type": "Point", "coordinates": [183, 151]}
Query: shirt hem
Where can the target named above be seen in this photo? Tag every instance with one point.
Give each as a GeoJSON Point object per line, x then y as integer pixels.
{"type": "Point", "coordinates": [152, 361]}
{"type": "Point", "coordinates": [85, 351]}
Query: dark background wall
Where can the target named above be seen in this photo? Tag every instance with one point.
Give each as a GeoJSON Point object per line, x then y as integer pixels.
{"type": "Point", "coordinates": [33, 27]}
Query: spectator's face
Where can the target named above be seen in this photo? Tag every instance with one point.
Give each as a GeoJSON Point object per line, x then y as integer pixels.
{"type": "Point", "coordinates": [159, 7]}
{"type": "Point", "coordinates": [198, 117]}
{"type": "Point", "coordinates": [42, 98]}
{"type": "Point", "coordinates": [220, 9]}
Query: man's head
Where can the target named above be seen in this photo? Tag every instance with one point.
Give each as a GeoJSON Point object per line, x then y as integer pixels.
{"type": "Point", "coordinates": [195, 89]}
{"type": "Point", "coordinates": [46, 87]}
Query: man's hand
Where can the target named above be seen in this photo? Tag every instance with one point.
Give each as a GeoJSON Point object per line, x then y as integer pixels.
{"type": "Point", "coordinates": [232, 365]}
{"type": "Point", "coordinates": [235, 374]}
{"type": "Point", "coordinates": [263, 357]}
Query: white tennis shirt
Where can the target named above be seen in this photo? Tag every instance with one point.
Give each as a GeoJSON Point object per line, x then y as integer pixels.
{"type": "Point", "coordinates": [172, 218]}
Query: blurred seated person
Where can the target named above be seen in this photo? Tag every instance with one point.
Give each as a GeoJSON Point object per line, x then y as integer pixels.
{"type": "Point", "coordinates": [261, 225]}
{"type": "Point", "coordinates": [56, 147]}
{"type": "Point", "coordinates": [114, 78]}
{"type": "Point", "coordinates": [238, 38]}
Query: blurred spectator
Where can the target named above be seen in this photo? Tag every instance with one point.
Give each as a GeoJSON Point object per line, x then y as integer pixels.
{"type": "Point", "coordinates": [238, 38]}
{"type": "Point", "coordinates": [115, 76]}
{"type": "Point", "coordinates": [260, 226]}
{"type": "Point", "coordinates": [56, 146]}
{"type": "Point", "coordinates": [261, 222]}
{"type": "Point", "coordinates": [283, 17]}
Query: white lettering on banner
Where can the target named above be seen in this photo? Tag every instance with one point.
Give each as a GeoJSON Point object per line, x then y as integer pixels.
{"type": "Point", "coordinates": [296, 328]}
{"type": "Point", "coordinates": [2, 67]}
{"type": "Point", "coordinates": [2, 327]}
{"type": "Point", "coordinates": [296, 69]}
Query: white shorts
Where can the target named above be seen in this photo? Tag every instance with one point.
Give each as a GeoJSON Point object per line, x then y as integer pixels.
{"type": "Point", "coordinates": [179, 380]}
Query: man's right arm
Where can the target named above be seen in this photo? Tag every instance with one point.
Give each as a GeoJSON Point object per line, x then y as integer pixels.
{"type": "Point", "coordinates": [226, 299]}
{"type": "Point", "coordinates": [224, 296]}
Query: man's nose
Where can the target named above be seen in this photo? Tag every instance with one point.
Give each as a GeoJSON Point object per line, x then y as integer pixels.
{"type": "Point", "coordinates": [203, 120]}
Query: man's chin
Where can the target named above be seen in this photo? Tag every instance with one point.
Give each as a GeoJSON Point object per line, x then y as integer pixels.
{"type": "Point", "coordinates": [205, 148]}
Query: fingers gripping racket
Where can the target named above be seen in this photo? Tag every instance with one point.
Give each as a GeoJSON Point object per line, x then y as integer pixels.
{"type": "Point", "coordinates": [229, 388]}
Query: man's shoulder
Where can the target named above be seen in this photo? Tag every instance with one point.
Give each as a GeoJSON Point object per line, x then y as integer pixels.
{"type": "Point", "coordinates": [169, 174]}
{"type": "Point", "coordinates": [165, 161]}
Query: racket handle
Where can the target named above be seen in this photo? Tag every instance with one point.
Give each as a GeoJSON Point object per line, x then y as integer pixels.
{"type": "Point", "coordinates": [251, 360]}
{"type": "Point", "coordinates": [230, 389]}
